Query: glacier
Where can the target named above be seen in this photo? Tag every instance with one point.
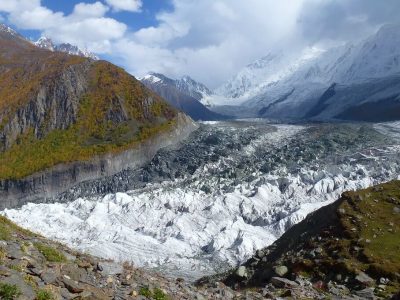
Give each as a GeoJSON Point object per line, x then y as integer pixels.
{"type": "Point", "coordinates": [215, 217]}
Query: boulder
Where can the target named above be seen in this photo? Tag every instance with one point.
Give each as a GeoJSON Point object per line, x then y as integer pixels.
{"type": "Point", "coordinates": [364, 279]}
{"type": "Point", "coordinates": [281, 270]}
{"type": "Point", "coordinates": [241, 272]}
{"type": "Point", "coordinates": [283, 283]}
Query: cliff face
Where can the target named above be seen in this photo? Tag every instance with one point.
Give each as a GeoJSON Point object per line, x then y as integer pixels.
{"type": "Point", "coordinates": [47, 185]}
{"type": "Point", "coordinates": [65, 119]}
{"type": "Point", "coordinates": [54, 105]}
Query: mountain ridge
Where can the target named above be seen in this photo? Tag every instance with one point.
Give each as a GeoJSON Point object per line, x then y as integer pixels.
{"type": "Point", "coordinates": [57, 109]}
{"type": "Point", "coordinates": [260, 85]}
{"type": "Point", "coordinates": [184, 94]}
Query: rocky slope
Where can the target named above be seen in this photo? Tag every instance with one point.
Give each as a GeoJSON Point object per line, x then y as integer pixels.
{"type": "Point", "coordinates": [34, 268]}
{"type": "Point", "coordinates": [57, 108]}
{"type": "Point", "coordinates": [184, 94]}
{"type": "Point", "coordinates": [347, 249]}
{"type": "Point", "coordinates": [353, 82]}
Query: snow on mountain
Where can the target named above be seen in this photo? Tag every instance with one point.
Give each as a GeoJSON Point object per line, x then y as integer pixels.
{"type": "Point", "coordinates": [185, 84]}
{"type": "Point", "coordinates": [179, 229]}
{"type": "Point", "coordinates": [264, 72]}
{"type": "Point", "coordinates": [192, 88]}
{"type": "Point", "coordinates": [7, 29]}
{"type": "Point", "coordinates": [279, 85]}
{"type": "Point", "coordinates": [184, 94]}
{"type": "Point", "coordinates": [47, 43]}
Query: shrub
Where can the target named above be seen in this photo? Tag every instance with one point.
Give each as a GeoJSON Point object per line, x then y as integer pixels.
{"type": "Point", "coordinates": [9, 291]}
{"type": "Point", "coordinates": [145, 291]}
{"type": "Point", "coordinates": [44, 295]}
{"type": "Point", "coordinates": [159, 295]}
{"type": "Point", "coordinates": [51, 254]}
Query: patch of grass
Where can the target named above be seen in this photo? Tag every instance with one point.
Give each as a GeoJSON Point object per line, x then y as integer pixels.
{"type": "Point", "coordinates": [158, 294]}
{"type": "Point", "coordinates": [7, 228]}
{"type": "Point", "coordinates": [29, 279]}
{"type": "Point", "coordinates": [44, 295]}
{"type": "Point", "coordinates": [9, 291]}
{"type": "Point", "coordinates": [17, 268]}
{"type": "Point", "coordinates": [50, 253]}
{"type": "Point", "coordinates": [145, 292]}
{"type": "Point", "coordinates": [370, 213]}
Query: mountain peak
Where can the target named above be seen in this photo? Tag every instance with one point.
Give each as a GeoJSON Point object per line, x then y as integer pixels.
{"type": "Point", "coordinates": [7, 29]}
{"type": "Point", "coordinates": [47, 43]}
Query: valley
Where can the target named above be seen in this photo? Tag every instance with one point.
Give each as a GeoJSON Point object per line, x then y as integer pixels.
{"type": "Point", "coordinates": [232, 188]}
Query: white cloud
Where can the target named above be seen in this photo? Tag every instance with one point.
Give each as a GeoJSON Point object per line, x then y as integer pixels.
{"type": "Point", "coordinates": [209, 39]}
{"type": "Point", "coordinates": [18, 5]}
{"type": "Point", "coordinates": [128, 5]}
{"type": "Point", "coordinates": [86, 26]}
{"type": "Point", "coordinates": [90, 10]}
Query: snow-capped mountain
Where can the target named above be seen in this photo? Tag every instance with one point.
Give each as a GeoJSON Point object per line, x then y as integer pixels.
{"type": "Point", "coordinates": [195, 89]}
{"type": "Point", "coordinates": [263, 72]}
{"type": "Point", "coordinates": [185, 84]}
{"type": "Point", "coordinates": [184, 94]}
{"type": "Point", "coordinates": [347, 76]}
{"type": "Point", "coordinates": [7, 29]}
{"type": "Point", "coordinates": [47, 43]}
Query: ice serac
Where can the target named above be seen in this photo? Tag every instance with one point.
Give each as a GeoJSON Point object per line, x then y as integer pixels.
{"type": "Point", "coordinates": [360, 79]}
{"type": "Point", "coordinates": [184, 94]}
{"type": "Point", "coordinates": [92, 118]}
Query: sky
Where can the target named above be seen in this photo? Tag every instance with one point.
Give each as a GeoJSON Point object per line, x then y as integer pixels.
{"type": "Point", "coordinates": [209, 40]}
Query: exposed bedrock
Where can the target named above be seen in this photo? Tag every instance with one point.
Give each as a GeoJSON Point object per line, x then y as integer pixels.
{"type": "Point", "coordinates": [45, 186]}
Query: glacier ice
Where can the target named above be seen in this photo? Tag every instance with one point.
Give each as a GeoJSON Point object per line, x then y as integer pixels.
{"type": "Point", "coordinates": [176, 228]}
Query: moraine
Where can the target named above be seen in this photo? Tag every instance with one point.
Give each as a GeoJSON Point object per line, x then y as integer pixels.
{"type": "Point", "coordinates": [232, 188]}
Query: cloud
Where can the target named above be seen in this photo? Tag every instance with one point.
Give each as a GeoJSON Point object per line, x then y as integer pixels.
{"type": "Point", "coordinates": [213, 39]}
{"type": "Point", "coordinates": [128, 5]}
{"type": "Point", "coordinates": [90, 10]}
{"type": "Point", "coordinates": [87, 26]}
{"type": "Point", "coordinates": [209, 40]}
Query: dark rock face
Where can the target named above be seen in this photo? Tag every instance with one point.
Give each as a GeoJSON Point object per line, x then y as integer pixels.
{"type": "Point", "coordinates": [182, 101]}
{"type": "Point", "coordinates": [55, 106]}
{"type": "Point", "coordinates": [46, 186]}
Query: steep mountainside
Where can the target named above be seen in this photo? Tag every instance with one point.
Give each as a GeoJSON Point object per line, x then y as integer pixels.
{"type": "Point", "coordinates": [58, 108]}
{"type": "Point", "coordinates": [47, 43]}
{"type": "Point", "coordinates": [183, 94]}
{"type": "Point", "coordinates": [192, 88]}
{"type": "Point", "coordinates": [332, 84]}
{"type": "Point", "coordinates": [350, 247]}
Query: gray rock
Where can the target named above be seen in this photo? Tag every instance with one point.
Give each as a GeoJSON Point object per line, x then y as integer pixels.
{"type": "Point", "coordinates": [260, 253]}
{"type": "Point", "coordinates": [72, 286]}
{"type": "Point", "coordinates": [26, 290]}
{"type": "Point", "coordinates": [365, 279]}
{"type": "Point", "coordinates": [283, 283]}
{"type": "Point", "coordinates": [396, 210]}
{"type": "Point", "coordinates": [281, 270]}
{"type": "Point", "coordinates": [48, 277]}
{"type": "Point", "coordinates": [109, 268]}
{"type": "Point", "coordinates": [241, 271]}
{"type": "Point", "coordinates": [367, 294]}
